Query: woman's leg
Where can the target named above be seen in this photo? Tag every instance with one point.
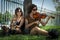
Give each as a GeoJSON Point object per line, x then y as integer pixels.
{"type": "Point", "coordinates": [37, 30]}
{"type": "Point", "coordinates": [18, 30]}
{"type": "Point", "coordinates": [5, 30]}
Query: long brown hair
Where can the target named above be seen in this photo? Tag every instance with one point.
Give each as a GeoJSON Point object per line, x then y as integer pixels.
{"type": "Point", "coordinates": [17, 10]}
{"type": "Point", "coordinates": [30, 7]}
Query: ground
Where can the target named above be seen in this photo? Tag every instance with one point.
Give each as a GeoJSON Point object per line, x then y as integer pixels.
{"type": "Point", "coordinates": [30, 37]}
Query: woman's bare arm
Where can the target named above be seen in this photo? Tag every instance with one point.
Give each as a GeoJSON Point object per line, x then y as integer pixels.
{"type": "Point", "coordinates": [44, 23]}
{"type": "Point", "coordinates": [12, 23]}
{"type": "Point", "coordinates": [28, 25]}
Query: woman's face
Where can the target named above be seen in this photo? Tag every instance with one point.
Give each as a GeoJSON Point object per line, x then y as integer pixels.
{"type": "Point", "coordinates": [34, 10]}
{"type": "Point", "coordinates": [19, 13]}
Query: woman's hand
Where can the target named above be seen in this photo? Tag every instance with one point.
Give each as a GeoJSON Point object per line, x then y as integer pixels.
{"type": "Point", "coordinates": [37, 22]}
{"type": "Point", "coordinates": [17, 26]}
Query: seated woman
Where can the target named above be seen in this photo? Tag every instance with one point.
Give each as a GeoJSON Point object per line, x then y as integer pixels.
{"type": "Point", "coordinates": [31, 24]}
{"type": "Point", "coordinates": [17, 23]}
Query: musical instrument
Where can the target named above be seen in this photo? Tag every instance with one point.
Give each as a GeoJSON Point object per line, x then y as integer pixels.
{"type": "Point", "coordinates": [38, 16]}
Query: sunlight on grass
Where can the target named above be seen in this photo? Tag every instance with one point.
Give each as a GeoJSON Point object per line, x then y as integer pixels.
{"type": "Point", "coordinates": [50, 27]}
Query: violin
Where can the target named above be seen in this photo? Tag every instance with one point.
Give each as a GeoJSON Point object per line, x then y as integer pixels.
{"type": "Point", "coordinates": [38, 16]}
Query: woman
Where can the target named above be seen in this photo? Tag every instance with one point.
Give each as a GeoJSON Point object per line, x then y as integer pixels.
{"type": "Point", "coordinates": [17, 22]}
{"type": "Point", "coordinates": [31, 25]}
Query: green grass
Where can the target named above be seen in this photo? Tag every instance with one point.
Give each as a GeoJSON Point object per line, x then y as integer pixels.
{"type": "Point", "coordinates": [21, 37]}
{"type": "Point", "coordinates": [30, 37]}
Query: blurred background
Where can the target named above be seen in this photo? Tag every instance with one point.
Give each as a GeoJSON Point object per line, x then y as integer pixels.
{"type": "Point", "coordinates": [50, 7]}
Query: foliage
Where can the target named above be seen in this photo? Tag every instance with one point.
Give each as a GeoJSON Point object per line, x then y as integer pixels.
{"type": "Point", "coordinates": [5, 17]}
{"type": "Point", "coordinates": [57, 4]}
{"type": "Point", "coordinates": [0, 17]}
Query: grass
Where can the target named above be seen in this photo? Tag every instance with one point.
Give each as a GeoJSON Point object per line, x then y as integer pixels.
{"type": "Point", "coordinates": [30, 37]}
{"type": "Point", "coordinates": [21, 37]}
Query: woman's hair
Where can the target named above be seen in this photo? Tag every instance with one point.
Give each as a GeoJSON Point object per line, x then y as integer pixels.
{"type": "Point", "coordinates": [30, 7]}
{"type": "Point", "coordinates": [17, 10]}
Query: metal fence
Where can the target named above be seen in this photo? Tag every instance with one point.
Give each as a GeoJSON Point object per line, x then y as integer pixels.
{"type": "Point", "coordinates": [7, 10]}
